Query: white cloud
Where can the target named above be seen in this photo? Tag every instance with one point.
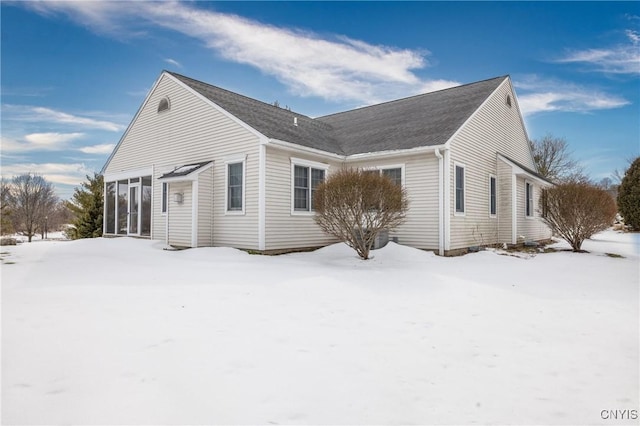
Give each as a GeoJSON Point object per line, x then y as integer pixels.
{"type": "Point", "coordinates": [57, 173]}
{"type": "Point", "coordinates": [98, 149]}
{"type": "Point", "coordinates": [48, 115]}
{"type": "Point", "coordinates": [620, 59]}
{"type": "Point", "coordinates": [335, 68]}
{"type": "Point", "coordinates": [52, 139]}
{"type": "Point", "coordinates": [39, 142]}
{"type": "Point", "coordinates": [538, 95]}
{"type": "Point", "coordinates": [173, 62]}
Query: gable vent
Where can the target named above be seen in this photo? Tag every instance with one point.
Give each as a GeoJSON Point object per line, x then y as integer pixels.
{"type": "Point", "coordinates": [164, 105]}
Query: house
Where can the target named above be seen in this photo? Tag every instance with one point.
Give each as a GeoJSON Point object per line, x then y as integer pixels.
{"type": "Point", "coordinates": [203, 166]}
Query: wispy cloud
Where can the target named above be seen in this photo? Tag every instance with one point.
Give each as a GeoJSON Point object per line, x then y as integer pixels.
{"type": "Point", "coordinates": [52, 139]}
{"type": "Point", "coordinates": [39, 142]}
{"type": "Point", "coordinates": [173, 62]}
{"type": "Point", "coordinates": [57, 173]}
{"type": "Point", "coordinates": [623, 58]}
{"type": "Point", "coordinates": [48, 115]}
{"type": "Point", "coordinates": [540, 95]}
{"type": "Point", "coordinates": [334, 68]}
{"type": "Point", "coordinates": [98, 149]}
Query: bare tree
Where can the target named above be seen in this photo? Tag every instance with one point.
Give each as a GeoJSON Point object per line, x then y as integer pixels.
{"type": "Point", "coordinates": [576, 211]}
{"type": "Point", "coordinates": [355, 205]}
{"type": "Point", "coordinates": [30, 199]}
{"type": "Point", "coordinates": [553, 159]}
{"type": "Point", "coordinates": [6, 226]}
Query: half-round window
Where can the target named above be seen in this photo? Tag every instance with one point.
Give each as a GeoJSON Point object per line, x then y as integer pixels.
{"type": "Point", "coordinates": [164, 105]}
{"type": "Point", "coordinates": [508, 101]}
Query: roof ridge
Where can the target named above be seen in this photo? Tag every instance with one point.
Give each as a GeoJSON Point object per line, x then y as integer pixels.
{"type": "Point", "coordinates": [298, 114]}
{"type": "Point", "coordinates": [413, 96]}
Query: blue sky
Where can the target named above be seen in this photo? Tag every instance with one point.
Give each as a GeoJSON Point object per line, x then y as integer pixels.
{"type": "Point", "coordinates": [75, 73]}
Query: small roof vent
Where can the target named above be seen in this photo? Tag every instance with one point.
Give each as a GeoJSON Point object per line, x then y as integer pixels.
{"type": "Point", "coordinates": [295, 121]}
{"type": "Point", "coordinates": [164, 105]}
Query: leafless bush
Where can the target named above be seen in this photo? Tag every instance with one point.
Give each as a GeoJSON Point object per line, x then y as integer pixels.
{"type": "Point", "coordinates": [575, 211]}
{"type": "Point", "coordinates": [355, 205]}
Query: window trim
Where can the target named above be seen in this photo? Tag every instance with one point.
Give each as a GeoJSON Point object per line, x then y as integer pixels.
{"type": "Point", "coordinates": [309, 165]}
{"type": "Point", "coordinates": [236, 159]}
{"type": "Point", "coordinates": [455, 189]}
{"type": "Point", "coordinates": [164, 198]}
{"type": "Point", "coordinates": [493, 214]}
{"type": "Point", "coordinates": [400, 166]}
{"type": "Point", "coordinates": [529, 213]}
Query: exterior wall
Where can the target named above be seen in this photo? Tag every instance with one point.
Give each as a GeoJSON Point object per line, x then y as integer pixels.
{"type": "Point", "coordinates": [192, 131]}
{"type": "Point", "coordinates": [284, 229]}
{"type": "Point", "coordinates": [495, 128]}
{"type": "Point", "coordinates": [180, 215]}
{"type": "Point", "coordinates": [205, 208]}
{"type": "Point", "coordinates": [531, 228]}
{"type": "Point", "coordinates": [504, 202]}
{"type": "Point", "coordinates": [420, 176]}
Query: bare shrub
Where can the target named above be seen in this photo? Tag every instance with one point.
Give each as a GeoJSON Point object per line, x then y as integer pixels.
{"type": "Point", "coordinates": [355, 205]}
{"type": "Point", "coordinates": [575, 211]}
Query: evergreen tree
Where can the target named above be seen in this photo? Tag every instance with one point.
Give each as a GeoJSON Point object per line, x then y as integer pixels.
{"type": "Point", "coordinates": [629, 196]}
{"type": "Point", "coordinates": [87, 206]}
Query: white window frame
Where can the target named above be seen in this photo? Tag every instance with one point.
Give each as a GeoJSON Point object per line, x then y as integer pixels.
{"type": "Point", "coordinates": [164, 198]}
{"type": "Point", "coordinates": [389, 167]}
{"type": "Point", "coordinates": [495, 179]}
{"type": "Point", "coordinates": [531, 198]}
{"type": "Point", "coordinates": [235, 159]}
{"type": "Point", "coordinates": [310, 165]}
{"type": "Point", "coordinates": [455, 189]}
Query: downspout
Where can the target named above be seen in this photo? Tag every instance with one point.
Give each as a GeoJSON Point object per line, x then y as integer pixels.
{"type": "Point", "coordinates": [166, 216]}
{"type": "Point", "coordinates": [514, 208]}
{"type": "Point", "coordinates": [104, 207]}
{"type": "Point", "coordinates": [440, 202]}
{"type": "Point", "coordinates": [447, 199]}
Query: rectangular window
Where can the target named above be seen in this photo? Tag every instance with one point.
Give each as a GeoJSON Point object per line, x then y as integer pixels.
{"type": "Point", "coordinates": [492, 196]}
{"type": "Point", "coordinates": [305, 181]}
{"type": "Point", "coordinates": [145, 218]}
{"type": "Point", "coordinates": [234, 188]}
{"type": "Point", "coordinates": [394, 174]}
{"type": "Point", "coordinates": [529, 199]}
{"type": "Point", "coordinates": [459, 189]}
{"type": "Point", "coordinates": [165, 194]}
{"type": "Point", "coordinates": [122, 211]}
{"type": "Point", "coordinates": [110, 207]}
{"type": "Point", "coordinates": [301, 188]}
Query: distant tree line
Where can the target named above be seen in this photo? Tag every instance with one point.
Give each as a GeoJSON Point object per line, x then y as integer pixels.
{"type": "Point", "coordinates": [29, 206]}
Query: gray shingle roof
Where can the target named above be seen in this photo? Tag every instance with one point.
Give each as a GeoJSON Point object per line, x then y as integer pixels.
{"type": "Point", "coordinates": [423, 120]}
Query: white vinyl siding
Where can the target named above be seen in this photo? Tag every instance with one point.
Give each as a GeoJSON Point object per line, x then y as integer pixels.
{"type": "Point", "coordinates": [505, 200]}
{"type": "Point", "coordinates": [205, 208]}
{"type": "Point", "coordinates": [494, 128]}
{"type": "Point", "coordinates": [192, 130]}
{"type": "Point", "coordinates": [285, 229]}
{"type": "Point", "coordinates": [180, 214]}
{"type": "Point", "coordinates": [529, 228]}
{"type": "Point", "coordinates": [420, 180]}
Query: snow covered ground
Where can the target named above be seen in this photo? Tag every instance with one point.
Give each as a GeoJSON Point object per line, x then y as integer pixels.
{"type": "Point", "coordinates": [119, 331]}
